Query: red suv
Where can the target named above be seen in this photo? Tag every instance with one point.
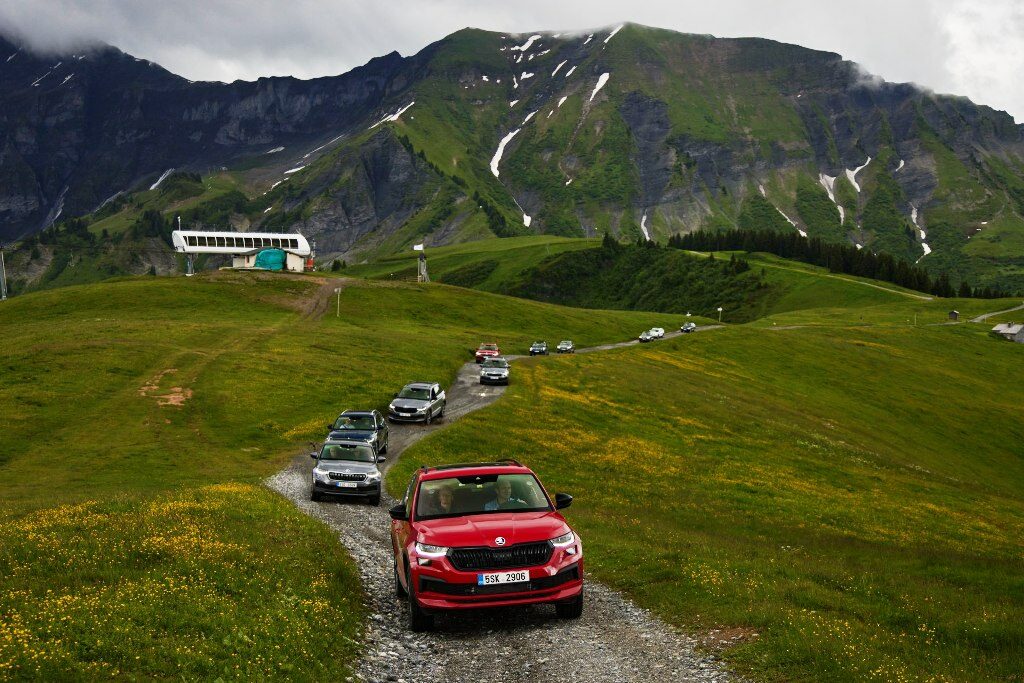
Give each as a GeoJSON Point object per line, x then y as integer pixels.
{"type": "Point", "coordinates": [483, 535]}
{"type": "Point", "coordinates": [487, 351]}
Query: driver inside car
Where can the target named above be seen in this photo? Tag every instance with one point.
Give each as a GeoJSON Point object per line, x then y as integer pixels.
{"type": "Point", "coordinates": [503, 497]}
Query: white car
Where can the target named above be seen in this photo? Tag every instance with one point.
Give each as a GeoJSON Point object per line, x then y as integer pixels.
{"type": "Point", "coordinates": [657, 332]}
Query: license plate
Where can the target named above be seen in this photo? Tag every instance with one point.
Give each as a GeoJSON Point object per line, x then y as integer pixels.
{"type": "Point", "coordinates": [346, 484]}
{"type": "Point", "coordinates": [502, 577]}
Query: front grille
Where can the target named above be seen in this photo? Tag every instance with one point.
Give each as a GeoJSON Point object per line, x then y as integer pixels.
{"type": "Point", "coordinates": [544, 583]}
{"type": "Point", "coordinates": [341, 476]}
{"type": "Point", "coordinates": [405, 410]}
{"type": "Point", "coordinates": [521, 555]}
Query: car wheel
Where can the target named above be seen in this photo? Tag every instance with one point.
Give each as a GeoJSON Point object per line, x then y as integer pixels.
{"type": "Point", "coordinates": [313, 495]}
{"type": "Point", "coordinates": [440, 415]}
{"type": "Point", "coordinates": [399, 588]}
{"type": "Point", "coordinates": [572, 609]}
{"type": "Point", "coordinates": [374, 500]}
{"type": "Point", "coordinates": [419, 620]}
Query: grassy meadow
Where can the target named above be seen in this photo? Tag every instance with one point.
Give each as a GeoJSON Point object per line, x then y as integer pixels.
{"type": "Point", "coordinates": [844, 496]}
{"type": "Point", "coordinates": [139, 418]}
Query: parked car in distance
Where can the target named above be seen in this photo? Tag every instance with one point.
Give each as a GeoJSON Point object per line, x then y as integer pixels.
{"type": "Point", "coordinates": [494, 371]}
{"type": "Point", "coordinates": [418, 402]}
{"type": "Point", "coordinates": [346, 468]}
{"type": "Point", "coordinates": [487, 351]}
{"type": "Point", "coordinates": [361, 425]}
{"type": "Point", "coordinates": [565, 346]}
{"type": "Point", "coordinates": [539, 348]}
{"type": "Point", "coordinates": [688, 327]}
{"type": "Point", "coordinates": [657, 332]}
{"type": "Point", "coordinates": [645, 336]}
{"type": "Point", "coordinates": [483, 535]}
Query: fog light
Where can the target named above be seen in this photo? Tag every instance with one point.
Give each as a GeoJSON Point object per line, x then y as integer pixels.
{"type": "Point", "coordinates": [423, 562]}
{"type": "Point", "coordinates": [570, 551]}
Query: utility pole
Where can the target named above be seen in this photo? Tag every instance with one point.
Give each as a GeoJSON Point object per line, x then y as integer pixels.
{"type": "Point", "coordinates": [3, 276]}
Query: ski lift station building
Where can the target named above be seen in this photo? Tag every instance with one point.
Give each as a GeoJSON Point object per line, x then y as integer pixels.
{"type": "Point", "coordinates": [245, 248]}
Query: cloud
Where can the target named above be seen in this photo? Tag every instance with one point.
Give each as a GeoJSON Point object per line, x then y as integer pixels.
{"type": "Point", "coordinates": [986, 52]}
{"type": "Point", "coordinates": [948, 45]}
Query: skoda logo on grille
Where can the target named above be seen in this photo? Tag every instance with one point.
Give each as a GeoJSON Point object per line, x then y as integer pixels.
{"type": "Point", "coordinates": [500, 540]}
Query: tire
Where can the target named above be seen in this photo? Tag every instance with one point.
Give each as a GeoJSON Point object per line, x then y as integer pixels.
{"type": "Point", "coordinates": [419, 620]}
{"type": "Point", "coordinates": [572, 609]}
{"type": "Point", "coordinates": [374, 500]}
{"type": "Point", "coordinates": [440, 415]}
{"type": "Point", "coordinates": [399, 588]}
{"type": "Point", "coordinates": [428, 419]}
{"type": "Point", "coordinates": [313, 495]}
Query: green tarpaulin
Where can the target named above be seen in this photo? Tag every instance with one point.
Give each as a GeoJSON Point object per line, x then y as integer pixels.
{"type": "Point", "coordinates": [270, 259]}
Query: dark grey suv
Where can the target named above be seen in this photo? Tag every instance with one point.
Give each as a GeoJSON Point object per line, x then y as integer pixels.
{"type": "Point", "coordinates": [361, 425]}
{"type": "Point", "coordinates": [346, 468]}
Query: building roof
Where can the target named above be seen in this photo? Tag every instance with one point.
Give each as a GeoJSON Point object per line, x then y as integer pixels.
{"type": "Point", "coordinates": [1009, 328]}
{"type": "Point", "coordinates": [224, 242]}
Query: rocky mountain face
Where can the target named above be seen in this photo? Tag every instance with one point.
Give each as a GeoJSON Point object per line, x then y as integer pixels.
{"type": "Point", "coordinates": [629, 130]}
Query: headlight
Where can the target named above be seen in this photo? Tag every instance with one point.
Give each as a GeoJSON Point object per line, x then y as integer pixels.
{"type": "Point", "coordinates": [391, 407]}
{"type": "Point", "coordinates": [373, 476]}
{"type": "Point", "coordinates": [427, 550]}
{"type": "Point", "coordinates": [420, 410]}
{"type": "Point", "coordinates": [564, 541]}
{"type": "Point", "coordinates": [320, 476]}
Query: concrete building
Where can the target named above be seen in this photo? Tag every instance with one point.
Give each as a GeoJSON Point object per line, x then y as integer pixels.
{"type": "Point", "coordinates": [244, 247]}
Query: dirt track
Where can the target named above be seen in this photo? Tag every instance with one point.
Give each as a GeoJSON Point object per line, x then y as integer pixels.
{"type": "Point", "coordinates": [613, 641]}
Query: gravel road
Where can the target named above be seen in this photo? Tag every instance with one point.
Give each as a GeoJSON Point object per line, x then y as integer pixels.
{"type": "Point", "coordinates": [614, 640]}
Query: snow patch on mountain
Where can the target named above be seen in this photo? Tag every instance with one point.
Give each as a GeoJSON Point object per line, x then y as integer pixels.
{"type": "Point", "coordinates": [66, 79]}
{"type": "Point", "coordinates": [35, 83]}
{"type": "Point", "coordinates": [560, 65]}
{"type": "Point", "coordinates": [295, 170]}
{"type": "Point", "coordinates": [589, 38]}
{"type": "Point", "coordinates": [562, 100]}
{"type": "Point", "coordinates": [600, 84]}
{"type": "Point", "coordinates": [921, 232]}
{"type": "Point", "coordinates": [276, 184]}
{"type": "Point", "coordinates": [528, 117]}
{"type": "Point", "coordinates": [760, 189]}
{"type": "Point", "coordinates": [267, 210]}
{"type": "Point", "coordinates": [496, 159]}
{"type": "Point", "coordinates": [329, 142]}
{"type": "Point", "coordinates": [852, 175]}
{"type": "Point", "coordinates": [161, 179]}
{"type": "Point", "coordinates": [485, 79]}
{"type": "Point", "coordinates": [569, 72]}
{"type": "Point", "coordinates": [394, 117]}
{"type": "Point", "coordinates": [526, 46]}
{"type": "Point", "coordinates": [829, 183]}
{"type": "Point", "coordinates": [612, 34]}
{"type": "Point", "coordinates": [11, 57]}
{"type": "Point", "coordinates": [898, 168]}
{"type": "Point", "coordinates": [527, 220]}
{"type": "Point", "coordinates": [512, 103]}
{"type": "Point", "coordinates": [275, 150]}
{"type": "Point", "coordinates": [643, 226]}
{"type": "Point", "coordinates": [526, 74]}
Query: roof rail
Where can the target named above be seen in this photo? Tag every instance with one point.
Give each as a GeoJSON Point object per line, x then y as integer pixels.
{"type": "Point", "coordinates": [463, 465]}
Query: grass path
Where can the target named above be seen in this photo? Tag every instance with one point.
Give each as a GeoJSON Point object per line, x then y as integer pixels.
{"type": "Point", "coordinates": [985, 316]}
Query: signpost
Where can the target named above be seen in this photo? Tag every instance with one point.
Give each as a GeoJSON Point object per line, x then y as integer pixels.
{"type": "Point", "coordinates": [719, 314]}
{"type": "Point", "coordinates": [3, 276]}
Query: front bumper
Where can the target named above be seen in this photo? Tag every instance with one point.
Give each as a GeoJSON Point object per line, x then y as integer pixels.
{"type": "Point", "coordinates": [493, 380]}
{"type": "Point", "coordinates": [362, 488]}
{"type": "Point", "coordinates": [439, 586]}
{"type": "Point", "coordinates": [407, 417]}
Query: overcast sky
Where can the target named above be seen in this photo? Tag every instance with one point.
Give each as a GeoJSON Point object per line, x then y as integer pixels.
{"type": "Point", "coordinates": [966, 47]}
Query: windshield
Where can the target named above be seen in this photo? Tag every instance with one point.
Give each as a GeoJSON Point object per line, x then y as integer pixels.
{"type": "Point", "coordinates": [345, 451]}
{"type": "Point", "coordinates": [414, 392]}
{"type": "Point", "coordinates": [479, 495]}
{"type": "Point", "coordinates": [362, 423]}
{"type": "Point", "coordinates": [565, 343]}
{"type": "Point", "coordinates": [496, 363]}
{"type": "Point", "coordinates": [488, 347]}
{"type": "Point", "coordinates": [540, 343]}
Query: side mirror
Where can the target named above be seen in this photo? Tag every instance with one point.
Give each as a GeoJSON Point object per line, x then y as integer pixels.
{"type": "Point", "coordinates": [330, 427]}
{"type": "Point", "coordinates": [380, 459]}
{"type": "Point", "coordinates": [395, 395]}
{"type": "Point", "coordinates": [313, 455]}
{"type": "Point", "coordinates": [398, 513]}
{"type": "Point", "coordinates": [562, 501]}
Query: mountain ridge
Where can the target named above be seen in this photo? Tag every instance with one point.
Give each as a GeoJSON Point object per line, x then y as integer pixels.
{"type": "Point", "coordinates": [685, 131]}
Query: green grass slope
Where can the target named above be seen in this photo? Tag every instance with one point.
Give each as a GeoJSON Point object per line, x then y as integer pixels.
{"type": "Point", "coordinates": [140, 417]}
{"type": "Point", "coordinates": [844, 497]}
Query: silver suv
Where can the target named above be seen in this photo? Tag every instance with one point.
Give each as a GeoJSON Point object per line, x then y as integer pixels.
{"type": "Point", "coordinates": [346, 468]}
{"type": "Point", "coordinates": [494, 371]}
{"type": "Point", "coordinates": [418, 402]}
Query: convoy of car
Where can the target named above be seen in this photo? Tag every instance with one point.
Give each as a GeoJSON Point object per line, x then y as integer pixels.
{"type": "Point", "coordinates": [464, 536]}
{"type": "Point", "coordinates": [483, 535]}
{"type": "Point", "coordinates": [418, 402]}
{"type": "Point", "coordinates": [494, 371]}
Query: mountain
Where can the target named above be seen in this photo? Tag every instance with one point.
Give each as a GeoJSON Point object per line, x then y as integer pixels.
{"type": "Point", "coordinates": [629, 130]}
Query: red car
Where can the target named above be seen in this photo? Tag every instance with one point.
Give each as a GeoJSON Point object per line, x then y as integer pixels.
{"type": "Point", "coordinates": [483, 535]}
{"type": "Point", "coordinates": [487, 351]}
